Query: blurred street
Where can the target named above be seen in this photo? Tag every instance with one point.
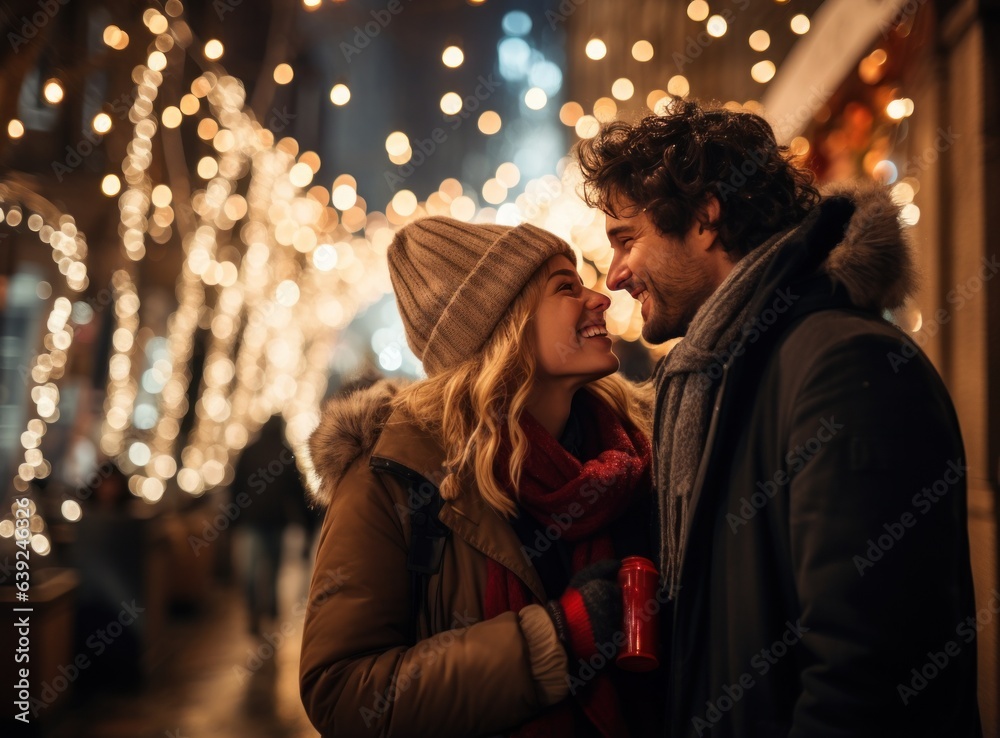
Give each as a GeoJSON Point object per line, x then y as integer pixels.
{"type": "Point", "coordinates": [215, 679]}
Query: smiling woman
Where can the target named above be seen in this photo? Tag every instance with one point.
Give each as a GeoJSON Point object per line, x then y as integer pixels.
{"type": "Point", "coordinates": [571, 340]}
{"type": "Point", "coordinates": [446, 484]}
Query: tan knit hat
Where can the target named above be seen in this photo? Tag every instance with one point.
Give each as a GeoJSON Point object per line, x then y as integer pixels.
{"type": "Point", "coordinates": [454, 281]}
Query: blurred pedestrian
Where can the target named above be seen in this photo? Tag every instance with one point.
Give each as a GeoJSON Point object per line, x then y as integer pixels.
{"type": "Point", "coordinates": [795, 432]}
{"type": "Point", "coordinates": [269, 478]}
{"type": "Point", "coordinates": [109, 553]}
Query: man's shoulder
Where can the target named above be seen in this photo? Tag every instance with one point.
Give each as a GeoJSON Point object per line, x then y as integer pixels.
{"type": "Point", "coordinates": [847, 343]}
{"type": "Point", "coordinates": [840, 324]}
{"type": "Point", "coordinates": [830, 329]}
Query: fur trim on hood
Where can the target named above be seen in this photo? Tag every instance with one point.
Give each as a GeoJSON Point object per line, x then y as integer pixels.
{"type": "Point", "coordinates": [874, 261]}
{"type": "Point", "coordinates": [349, 426]}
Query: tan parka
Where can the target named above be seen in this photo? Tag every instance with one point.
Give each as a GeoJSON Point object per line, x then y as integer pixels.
{"type": "Point", "coordinates": [361, 673]}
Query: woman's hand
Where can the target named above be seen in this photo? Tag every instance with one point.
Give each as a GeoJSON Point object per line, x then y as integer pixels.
{"type": "Point", "coordinates": [589, 612]}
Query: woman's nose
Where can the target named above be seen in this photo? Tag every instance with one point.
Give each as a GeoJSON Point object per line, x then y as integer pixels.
{"type": "Point", "coordinates": [597, 301]}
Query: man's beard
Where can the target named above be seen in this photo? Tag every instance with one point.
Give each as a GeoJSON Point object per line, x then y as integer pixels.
{"type": "Point", "coordinates": [661, 326]}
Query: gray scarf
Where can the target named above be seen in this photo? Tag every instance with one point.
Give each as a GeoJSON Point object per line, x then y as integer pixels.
{"type": "Point", "coordinates": [685, 393]}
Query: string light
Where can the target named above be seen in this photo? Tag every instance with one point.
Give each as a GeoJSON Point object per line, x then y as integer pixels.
{"type": "Point", "coordinates": [570, 113]}
{"type": "Point", "coordinates": [101, 123]}
{"type": "Point", "coordinates": [623, 89]}
{"type": "Point", "coordinates": [313, 258]}
{"type": "Point", "coordinates": [596, 49]}
{"type": "Point", "coordinates": [451, 103]}
{"type": "Point", "coordinates": [69, 251]}
{"type": "Point", "coordinates": [397, 143]}
{"type": "Point", "coordinates": [678, 86]}
{"type": "Point", "coordinates": [121, 387]}
{"type": "Point", "coordinates": [214, 49]}
{"type": "Point", "coordinates": [642, 51]}
{"type": "Point", "coordinates": [760, 40]}
{"type": "Point", "coordinates": [53, 91]}
{"type": "Point", "coordinates": [762, 71]}
{"type": "Point", "coordinates": [535, 98]}
{"type": "Point", "coordinates": [452, 57]}
{"type": "Point", "coordinates": [697, 10]}
{"type": "Point", "coordinates": [340, 94]}
{"type": "Point", "coordinates": [489, 122]}
{"type": "Point", "coordinates": [716, 26]}
{"type": "Point", "coordinates": [111, 185]}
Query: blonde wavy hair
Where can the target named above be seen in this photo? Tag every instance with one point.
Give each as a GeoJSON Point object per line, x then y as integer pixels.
{"type": "Point", "coordinates": [465, 408]}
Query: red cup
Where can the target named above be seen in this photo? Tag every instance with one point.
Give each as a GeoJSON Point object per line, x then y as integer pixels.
{"type": "Point", "coordinates": [639, 579]}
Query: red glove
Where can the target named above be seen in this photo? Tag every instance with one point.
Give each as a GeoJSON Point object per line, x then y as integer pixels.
{"type": "Point", "coordinates": [590, 610]}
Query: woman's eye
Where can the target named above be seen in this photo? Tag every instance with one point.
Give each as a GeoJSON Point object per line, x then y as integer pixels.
{"type": "Point", "coordinates": [565, 286]}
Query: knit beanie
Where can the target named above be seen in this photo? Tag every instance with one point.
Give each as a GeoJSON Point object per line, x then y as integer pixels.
{"type": "Point", "coordinates": [454, 281]}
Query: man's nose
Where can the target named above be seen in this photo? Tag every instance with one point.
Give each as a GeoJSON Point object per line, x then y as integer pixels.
{"type": "Point", "coordinates": [618, 273]}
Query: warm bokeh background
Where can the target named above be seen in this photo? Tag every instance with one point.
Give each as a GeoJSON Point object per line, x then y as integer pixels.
{"type": "Point", "coordinates": [195, 203]}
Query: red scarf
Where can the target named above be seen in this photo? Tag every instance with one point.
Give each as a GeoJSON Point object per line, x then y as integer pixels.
{"type": "Point", "coordinates": [616, 468]}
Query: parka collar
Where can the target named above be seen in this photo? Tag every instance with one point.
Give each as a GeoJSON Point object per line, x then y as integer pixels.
{"type": "Point", "coordinates": [361, 426]}
{"type": "Point", "coordinates": [404, 444]}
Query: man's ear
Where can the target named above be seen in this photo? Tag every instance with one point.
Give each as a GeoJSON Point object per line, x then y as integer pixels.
{"type": "Point", "coordinates": [704, 230]}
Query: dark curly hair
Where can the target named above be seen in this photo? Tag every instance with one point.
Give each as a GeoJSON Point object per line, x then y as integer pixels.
{"type": "Point", "coordinates": [669, 164]}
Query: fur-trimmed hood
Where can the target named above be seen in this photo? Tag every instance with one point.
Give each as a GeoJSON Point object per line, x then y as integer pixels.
{"type": "Point", "coordinates": [874, 260]}
{"type": "Point", "coordinates": [349, 427]}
